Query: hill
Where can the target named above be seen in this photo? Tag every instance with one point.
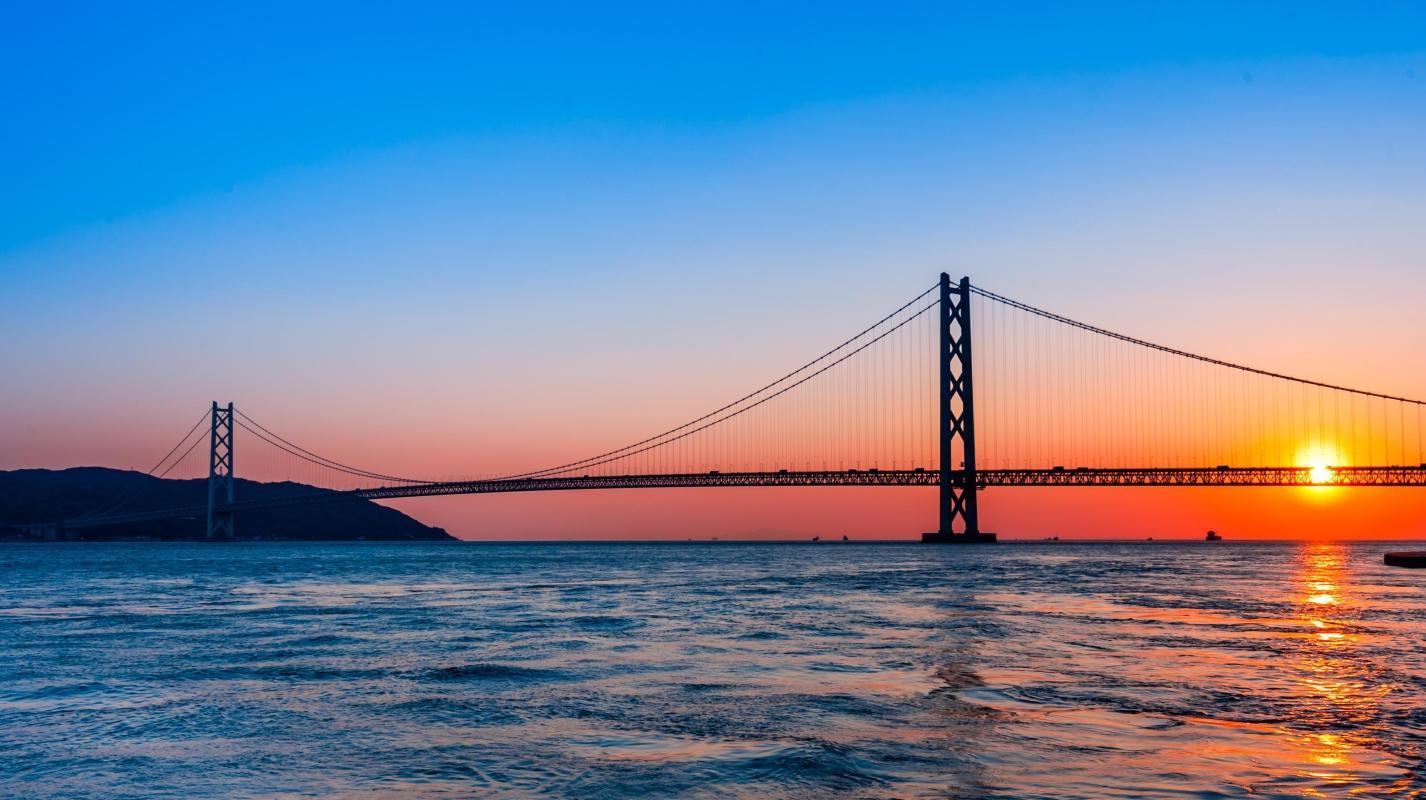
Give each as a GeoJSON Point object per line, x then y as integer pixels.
{"type": "Point", "coordinates": [42, 495]}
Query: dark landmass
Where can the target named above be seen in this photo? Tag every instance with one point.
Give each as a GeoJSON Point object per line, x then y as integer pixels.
{"type": "Point", "coordinates": [29, 496]}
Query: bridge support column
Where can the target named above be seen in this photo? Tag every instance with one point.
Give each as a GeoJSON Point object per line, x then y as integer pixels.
{"type": "Point", "coordinates": [46, 531]}
{"type": "Point", "coordinates": [220, 473]}
{"type": "Point", "coordinates": [957, 420]}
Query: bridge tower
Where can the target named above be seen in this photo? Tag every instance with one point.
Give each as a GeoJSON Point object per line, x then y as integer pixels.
{"type": "Point", "coordinates": [957, 420]}
{"type": "Point", "coordinates": [220, 472]}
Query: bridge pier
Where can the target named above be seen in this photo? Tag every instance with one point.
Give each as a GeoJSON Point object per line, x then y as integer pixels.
{"type": "Point", "coordinates": [220, 473]}
{"type": "Point", "coordinates": [958, 487]}
{"type": "Point", "coordinates": [46, 531]}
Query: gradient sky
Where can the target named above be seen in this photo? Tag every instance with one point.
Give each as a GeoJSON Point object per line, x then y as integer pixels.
{"type": "Point", "coordinates": [458, 239]}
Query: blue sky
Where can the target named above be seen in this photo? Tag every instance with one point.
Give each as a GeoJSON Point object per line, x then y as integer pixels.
{"type": "Point", "coordinates": [345, 213]}
{"type": "Point", "coordinates": [119, 109]}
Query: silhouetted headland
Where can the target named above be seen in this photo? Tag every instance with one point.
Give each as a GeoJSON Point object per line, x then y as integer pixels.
{"type": "Point", "coordinates": [30, 496]}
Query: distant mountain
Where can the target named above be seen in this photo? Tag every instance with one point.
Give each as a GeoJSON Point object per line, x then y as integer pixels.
{"type": "Point", "coordinates": [42, 495]}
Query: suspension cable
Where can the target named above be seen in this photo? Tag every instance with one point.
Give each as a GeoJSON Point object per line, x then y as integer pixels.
{"type": "Point", "coordinates": [715, 412]}
{"type": "Point", "coordinates": [315, 458]}
{"type": "Point", "coordinates": [311, 458]}
{"type": "Point", "coordinates": [1205, 359]}
{"type": "Point", "coordinates": [124, 497]}
{"type": "Point", "coordinates": [772, 396]}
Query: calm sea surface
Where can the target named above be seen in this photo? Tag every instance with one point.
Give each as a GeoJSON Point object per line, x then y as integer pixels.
{"type": "Point", "coordinates": [710, 670]}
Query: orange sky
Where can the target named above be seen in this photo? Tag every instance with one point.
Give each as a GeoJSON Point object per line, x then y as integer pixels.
{"type": "Point", "coordinates": [904, 513]}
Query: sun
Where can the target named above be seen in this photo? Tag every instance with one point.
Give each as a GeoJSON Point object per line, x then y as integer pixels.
{"type": "Point", "coordinates": [1318, 459]}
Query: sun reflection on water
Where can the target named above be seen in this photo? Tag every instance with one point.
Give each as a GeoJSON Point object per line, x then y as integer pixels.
{"type": "Point", "coordinates": [1331, 679]}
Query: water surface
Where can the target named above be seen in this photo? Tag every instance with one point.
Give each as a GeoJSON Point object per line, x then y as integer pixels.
{"type": "Point", "coordinates": [710, 670]}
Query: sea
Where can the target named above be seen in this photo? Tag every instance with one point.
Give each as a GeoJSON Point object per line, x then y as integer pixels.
{"type": "Point", "coordinates": [711, 670]}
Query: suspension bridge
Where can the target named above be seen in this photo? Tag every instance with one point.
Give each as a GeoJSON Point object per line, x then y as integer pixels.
{"type": "Point", "coordinates": [929, 395]}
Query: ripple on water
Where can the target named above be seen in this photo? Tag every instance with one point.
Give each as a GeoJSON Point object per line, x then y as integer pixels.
{"type": "Point", "coordinates": [490, 671]}
{"type": "Point", "coordinates": [751, 671]}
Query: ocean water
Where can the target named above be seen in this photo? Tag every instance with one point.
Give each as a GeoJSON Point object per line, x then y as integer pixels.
{"type": "Point", "coordinates": [1055, 670]}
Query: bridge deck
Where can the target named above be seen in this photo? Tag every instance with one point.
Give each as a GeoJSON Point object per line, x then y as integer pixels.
{"type": "Point", "coordinates": [1226, 476]}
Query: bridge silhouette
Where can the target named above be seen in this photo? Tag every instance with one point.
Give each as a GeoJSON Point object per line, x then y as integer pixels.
{"type": "Point", "coordinates": [1039, 400]}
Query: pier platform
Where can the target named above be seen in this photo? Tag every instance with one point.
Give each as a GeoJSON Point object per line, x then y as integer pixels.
{"type": "Point", "coordinates": [936, 537]}
{"type": "Point", "coordinates": [1406, 558]}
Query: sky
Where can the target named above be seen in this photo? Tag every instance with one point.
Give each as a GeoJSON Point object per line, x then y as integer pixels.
{"type": "Point", "coordinates": [448, 239]}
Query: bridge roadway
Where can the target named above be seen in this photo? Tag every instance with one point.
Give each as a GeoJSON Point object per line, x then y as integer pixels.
{"type": "Point", "coordinates": [986, 478]}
